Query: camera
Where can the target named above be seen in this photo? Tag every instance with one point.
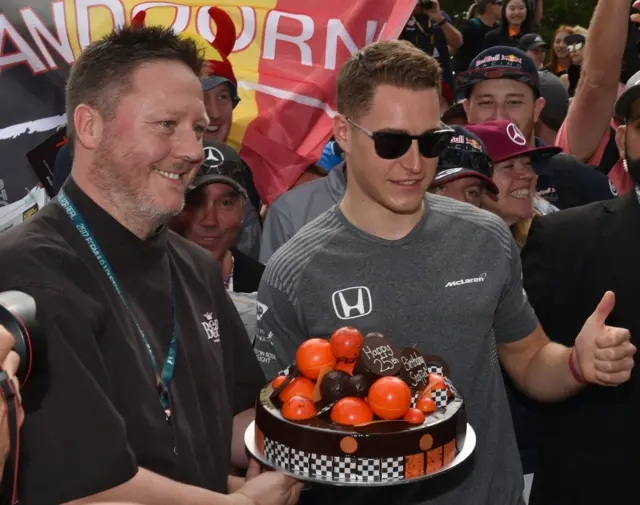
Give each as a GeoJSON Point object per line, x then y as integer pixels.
{"type": "Point", "coordinates": [18, 316]}
{"type": "Point", "coordinates": [426, 4]}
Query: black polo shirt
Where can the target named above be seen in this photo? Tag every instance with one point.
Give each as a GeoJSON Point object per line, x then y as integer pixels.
{"type": "Point", "coordinates": [93, 414]}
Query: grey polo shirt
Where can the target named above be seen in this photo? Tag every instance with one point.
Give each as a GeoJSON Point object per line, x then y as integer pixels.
{"type": "Point", "coordinates": [299, 206]}
{"type": "Point", "coordinates": [452, 286]}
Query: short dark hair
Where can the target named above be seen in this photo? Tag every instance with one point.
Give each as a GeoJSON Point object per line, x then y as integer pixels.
{"type": "Point", "coordinates": [103, 71]}
{"type": "Point", "coordinates": [392, 62]}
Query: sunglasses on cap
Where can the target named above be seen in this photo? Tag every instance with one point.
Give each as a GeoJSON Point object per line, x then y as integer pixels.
{"type": "Point", "coordinates": [575, 47]}
{"type": "Point", "coordinates": [393, 145]}
{"type": "Point", "coordinates": [456, 158]}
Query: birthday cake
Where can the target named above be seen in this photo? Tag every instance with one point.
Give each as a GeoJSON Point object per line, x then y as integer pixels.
{"type": "Point", "coordinates": [356, 410]}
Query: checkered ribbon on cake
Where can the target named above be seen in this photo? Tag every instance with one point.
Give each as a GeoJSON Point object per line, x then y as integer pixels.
{"type": "Point", "coordinates": [345, 469]}
{"type": "Point", "coordinates": [369, 470]}
{"type": "Point", "coordinates": [299, 462]}
{"type": "Point", "coordinates": [321, 466]}
{"type": "Point", "coordinates": [276, 453]}
{"type": "Point", "coordinates": [392, 469]}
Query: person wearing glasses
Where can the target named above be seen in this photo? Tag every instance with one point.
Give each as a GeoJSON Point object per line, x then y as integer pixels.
{"type": "Point", "coordinates": [575, 44]}
{"type": "Point", "coordinates": [389, 258]}
{"type": "Point", "coordinates": [464, 170]}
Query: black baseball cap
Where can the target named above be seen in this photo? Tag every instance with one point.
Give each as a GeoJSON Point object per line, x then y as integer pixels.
{"type": "Point", "coordinates": [465, 156]}
{"type": "Point", "coordinates": [630, 94]}
{"type": "Point", "coordinates": [532, 41]}
{"type": "Point", "coordinates": [221, 164]}
{"type": "Point", "coordinates": [500, 62]}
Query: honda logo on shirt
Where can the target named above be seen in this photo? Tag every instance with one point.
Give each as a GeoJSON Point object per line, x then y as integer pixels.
{"type": "Point", "coordinates": [352, 303]}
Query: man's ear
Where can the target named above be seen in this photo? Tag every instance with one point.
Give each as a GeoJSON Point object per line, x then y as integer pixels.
{"type": "Point", "coordinates": [89, 126]}
{"type": "Point", "coordinates": [340, 132]}
{"type": "Point", "coordinates": [537, 110]}
{"type": "Point", "coordinates": [621, 134]}
{"type": "Point", "coordinates": [466, 106]}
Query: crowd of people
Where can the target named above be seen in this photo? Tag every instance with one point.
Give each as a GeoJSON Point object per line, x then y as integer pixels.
{"type": "Point", "coordinates": [170, 294]}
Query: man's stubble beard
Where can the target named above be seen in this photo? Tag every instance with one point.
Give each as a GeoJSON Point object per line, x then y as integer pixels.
{"type": "Point", "coordinates": [134, 207]}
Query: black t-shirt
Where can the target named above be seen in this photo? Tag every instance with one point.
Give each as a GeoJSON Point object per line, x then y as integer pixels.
{"type": "Point", "coordinates": [247, 273]}
{"type": "Point", "coordinates": [473, 32]}
{"type": "Point", "coordinates": [92, 410]}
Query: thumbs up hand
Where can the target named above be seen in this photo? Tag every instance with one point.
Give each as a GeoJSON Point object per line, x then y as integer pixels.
{"type": "Point", "coordinates": [604, 354]}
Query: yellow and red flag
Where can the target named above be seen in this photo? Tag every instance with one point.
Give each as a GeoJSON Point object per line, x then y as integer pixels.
{"type": "Point", "coordinates": [286, 57]}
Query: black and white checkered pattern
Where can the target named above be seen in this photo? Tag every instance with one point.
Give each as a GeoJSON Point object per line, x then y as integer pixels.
{"type": "Point", "coordinates": [392, 469]}
{"type": "Point", "coordinates": [414, 399]}
{"type": "Point", "coordinates": [440, 397]}
{"type": "Point", "coordinates": [450, 385]}
{"type": "Point", "coordinates": [345, 469]}
{"type": "Point", "coordinates": [433, 368]}
{"type": "Point", "coordinates": [276, 453]}
{"type": "Point", "coordinates": [321, 466]}
{"type": "Point", "coordinates": [299, 462]}
{"type": "Point", "coordinates": [368, 470]}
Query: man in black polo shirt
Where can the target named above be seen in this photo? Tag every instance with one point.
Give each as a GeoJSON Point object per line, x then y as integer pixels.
{"type": "Point", "coordinates": [149, 374]}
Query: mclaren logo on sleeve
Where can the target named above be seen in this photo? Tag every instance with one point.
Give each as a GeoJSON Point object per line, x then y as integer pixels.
{"type": "Point", "coordinates": [352, 303]}
{"type": "Point", "coordinates": [462, 282]}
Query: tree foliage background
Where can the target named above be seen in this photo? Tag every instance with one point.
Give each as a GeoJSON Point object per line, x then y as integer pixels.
{"type": "Point", "coordinates": [555, 12]}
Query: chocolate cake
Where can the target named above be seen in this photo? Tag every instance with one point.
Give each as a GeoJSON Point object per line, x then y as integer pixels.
{"type": "Point", "coordinates": [312, 438]}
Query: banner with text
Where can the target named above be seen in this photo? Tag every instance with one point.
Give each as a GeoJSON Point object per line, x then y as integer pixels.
{"type": "Point", "coordinates": [286, 58]}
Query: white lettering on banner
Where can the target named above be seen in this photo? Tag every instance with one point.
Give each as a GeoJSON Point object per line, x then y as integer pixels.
{"type": "Point", "coordinates": [271, 36]}
{"type": "Point", "coordinates": [247, 25]}
{"type": "Point", "coordinates": [4, 198]}
{"type": "Point", "coordinates": [335, 31]}
{"type": "Point", "coordinates": [82, 17]}
{"type": "Point", "coordinates": [59, 42]}
{"type": "Point", "coordinates": [23, 53]}
{"type": "Point", "coordinates": [462, 282]}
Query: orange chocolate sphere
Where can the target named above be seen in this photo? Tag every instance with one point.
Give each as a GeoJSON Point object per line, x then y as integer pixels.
{"type": "Point", "coordinates": [346, 366]}
{"type": "Point", "coordinates": [351, 411]}
{"type": "Point", "coordinates": [389, 398]}
{"type": "Point", "coordinates": [299, 408]}
{"type": "Point", "coordinates": [414, 416]}
{"type": "Point", "coordinates": [426, 405]}
{"type": "Point", "coordinates": [278, 381]}
{"type": "Point", "coordinates": [345, 343]}
{"type": "Point", "coordinates": [299, 386]}
{"type": "Point", "coordinates": [313, 355]}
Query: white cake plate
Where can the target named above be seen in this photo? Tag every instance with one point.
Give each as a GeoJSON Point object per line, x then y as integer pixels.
{"type": "Point", "coordinates": [467, 450]}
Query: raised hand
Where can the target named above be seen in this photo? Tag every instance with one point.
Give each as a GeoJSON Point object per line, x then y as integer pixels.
{"type": "Point", "coordinates": [604, 354]}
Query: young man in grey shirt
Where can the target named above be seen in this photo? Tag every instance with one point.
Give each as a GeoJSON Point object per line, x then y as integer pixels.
{"type": "Point", "coordinates": [424, 270]}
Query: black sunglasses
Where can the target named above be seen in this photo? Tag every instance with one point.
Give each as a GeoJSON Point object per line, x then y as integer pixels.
{"type": "Point", "coordinates": [456, 158]}
{"type": "Point", "coordinates": [393, 145]}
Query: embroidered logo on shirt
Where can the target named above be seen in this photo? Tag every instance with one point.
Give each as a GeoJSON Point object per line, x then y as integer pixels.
{"type": "Point", "coordinates": [261, 310]}
{"type": "Point", "coordinates": [462, 282]}
{"type": "Point", "coordinates": [211, 326]}
{"type": "Point", "coordinates": [352, 303]}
